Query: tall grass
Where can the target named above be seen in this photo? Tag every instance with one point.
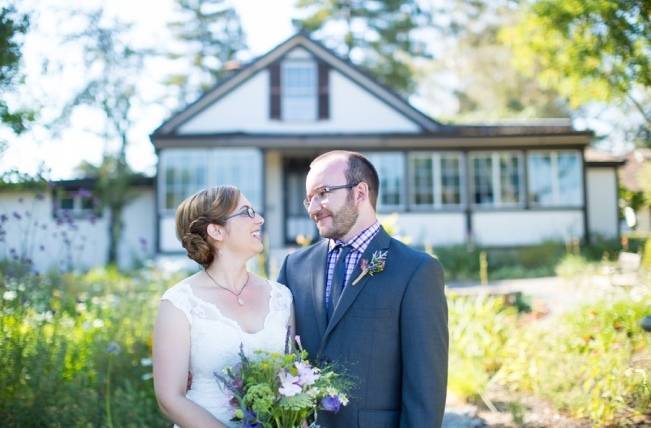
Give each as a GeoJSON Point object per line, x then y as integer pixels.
{"type": "Point", "coordinates": [75, 350]}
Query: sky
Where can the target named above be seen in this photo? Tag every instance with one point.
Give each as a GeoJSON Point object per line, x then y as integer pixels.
{"type": "Point", "coordinates": [266, 23]}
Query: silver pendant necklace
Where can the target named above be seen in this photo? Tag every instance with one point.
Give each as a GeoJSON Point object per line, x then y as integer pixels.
{"type": "Point", "coordinates": [237, 295]}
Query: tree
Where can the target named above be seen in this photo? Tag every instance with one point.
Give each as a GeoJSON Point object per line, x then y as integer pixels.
{"type": "Point", "coordinates": [484, 82]}
{"type": "Point", "coordinates": [112, 69]}
{"type": "Point", "coordinates": [210, 35]}
{"type": "Point", "coordinates": [589, 51]}
{"type": "Point", "coordinates": [12, 27]}
{"type": "Point", "coordinates": [380, 35]}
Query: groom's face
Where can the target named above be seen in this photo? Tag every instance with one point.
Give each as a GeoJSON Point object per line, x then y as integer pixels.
{"type": "Point", "coordinates": [337, 212]}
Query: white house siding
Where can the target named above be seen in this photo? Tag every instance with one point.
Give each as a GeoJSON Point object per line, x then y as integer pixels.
{"type": "Point", "coordinates": [167, 237]}
{"type": "Point", "coordinates": [246, 109]}
{"type": "Point", "coordinates": [273, 210]}
{"type": "Point", "coordinates": [526, 227]}
{"type": "Point", "coordinates": [602, 201]}
{"type": "Point", "coordinates": [32, 232]}
{"type": "Point", "coordinates": [433, 229]}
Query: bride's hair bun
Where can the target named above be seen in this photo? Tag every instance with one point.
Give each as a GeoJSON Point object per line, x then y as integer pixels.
{"type": "Point", "coordinates": [194, 214]}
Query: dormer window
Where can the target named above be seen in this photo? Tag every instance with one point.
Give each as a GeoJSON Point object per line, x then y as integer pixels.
{"type": "Point", "coordinates": [299, 90]}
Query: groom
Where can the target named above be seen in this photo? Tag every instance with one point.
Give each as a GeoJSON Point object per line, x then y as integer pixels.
{"type": "Point", "coordinates": [385, 325]}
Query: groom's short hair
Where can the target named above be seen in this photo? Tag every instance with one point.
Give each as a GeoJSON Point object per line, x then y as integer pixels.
{"type": "Point", "coordinates": [359, 169]}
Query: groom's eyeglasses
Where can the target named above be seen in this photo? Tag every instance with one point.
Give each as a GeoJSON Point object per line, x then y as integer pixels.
{"type": "Point", "coordinates": [246, 210]}
{"type": "Point", "coordinates": [321, 194]}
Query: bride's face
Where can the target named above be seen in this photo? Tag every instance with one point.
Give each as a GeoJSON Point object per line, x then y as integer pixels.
{"type": "Point", "coordinates": [243, 232]}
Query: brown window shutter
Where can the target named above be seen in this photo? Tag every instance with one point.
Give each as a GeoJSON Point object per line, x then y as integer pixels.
{"type": "Point", "coordinates": [324, 91]}
{"type": "Point", "coordinates": [274, 91]}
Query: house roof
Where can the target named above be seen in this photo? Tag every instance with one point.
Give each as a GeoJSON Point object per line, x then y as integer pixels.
{"type": "Point", "coordinates": [428, 126]}
{"type": "Point", "coordinates": [355, 73]}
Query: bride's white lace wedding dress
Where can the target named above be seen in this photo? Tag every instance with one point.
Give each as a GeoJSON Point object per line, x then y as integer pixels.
{"type": "Point", "coordinates": [215, 342]}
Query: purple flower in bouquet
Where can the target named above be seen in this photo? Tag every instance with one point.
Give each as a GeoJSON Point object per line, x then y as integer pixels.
{"type": "Point", "coordinates": [289, 385]}
{"type": "Point", "coordinates": [331, 403]}
{"type": "Point", "coordinates": [250, 420]}
{"type": "Point", "coordinates": [306, 374]}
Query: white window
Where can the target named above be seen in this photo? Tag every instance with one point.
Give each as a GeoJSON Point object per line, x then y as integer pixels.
{"type": "Point", "coordinates": [299, 90]}
{"type": "Point", "coordinates": [241, 168]}
{"type": "Point", "coordinates": [79, 203]}
{"type": "Point", "coordinates": [496, 179]}
{"type": "Point", "coordinates": [183, 173]}
{"type": "Point", "coordinates": [555, 178]}
{"type": "Point", "coordinates": [390, 167]}
{"type": "Point", "coordinates": [436, 180]}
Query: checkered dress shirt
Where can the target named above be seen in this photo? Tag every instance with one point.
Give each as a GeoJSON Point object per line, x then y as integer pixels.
{"type": "Point", "coordinates": [359, 244]}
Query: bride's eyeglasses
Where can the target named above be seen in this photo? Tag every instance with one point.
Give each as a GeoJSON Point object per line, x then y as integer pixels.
{"type": "Point", "coordinates": [246, 210]}
{"type": "Point", "coordinates": [321, 194]}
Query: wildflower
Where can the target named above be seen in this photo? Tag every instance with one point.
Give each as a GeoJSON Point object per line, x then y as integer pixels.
{"type": "Point", "coordinates": [307, 375]}
{"type": "Point", "coordinates": [289, 384]}
{"type": "Point", "coordinates": [331, 403]}
{"type": "Point", "coordinates": [17, 216]}
{"type": "Point", "coordinates": [113, 348]}
{"type": "Point", "coordinates": [9, 295]}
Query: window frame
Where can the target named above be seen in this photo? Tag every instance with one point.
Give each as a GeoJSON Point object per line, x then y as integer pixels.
{"type": "Point", "coordinates": [314, 89]}
{"type": "Point", "coordinates": [402, 206]}
{"type": "Point", "coordinates": [555, 185]}
{"type": "Point", "coordinates": [437, 180]}
{"type": "Point", "coordinates": [496, 179]}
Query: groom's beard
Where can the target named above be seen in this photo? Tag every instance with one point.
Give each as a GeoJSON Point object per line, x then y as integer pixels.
{"type": "Point", "coordinates": [342, 221]}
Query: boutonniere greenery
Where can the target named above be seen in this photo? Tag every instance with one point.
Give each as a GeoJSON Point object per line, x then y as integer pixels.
{"type": "Point", "coordinates": [370, 268]}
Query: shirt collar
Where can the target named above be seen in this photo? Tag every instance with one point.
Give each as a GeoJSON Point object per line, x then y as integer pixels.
{"type": "Point", "coordinates": [360, 241]}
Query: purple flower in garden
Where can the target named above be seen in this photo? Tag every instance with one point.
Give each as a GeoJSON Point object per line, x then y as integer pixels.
{"type": "Point", "coordinates": [113, 348]}
{"type": "Point", "coordinates": [41, 247]}
{"type": "Point", "coordinates": [331, 403]}
{"type": "Point", "coordinates": [289, 384]}
{"type": "Point", "coordinates": [17, 216]}
{"type": "Point", "coordinates": [306, 374]}
{"type": "Point", "coordinates": [3, 218]}
{"type": "Point", "coordinates": [40, 196]}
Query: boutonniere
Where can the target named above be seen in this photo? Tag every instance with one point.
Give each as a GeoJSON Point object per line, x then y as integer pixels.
{"type": "Point", "coordinates": [376, 265]}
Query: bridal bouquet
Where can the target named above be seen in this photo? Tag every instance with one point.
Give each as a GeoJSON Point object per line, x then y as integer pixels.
{"type": "Point", "coordinates": [274, 390]}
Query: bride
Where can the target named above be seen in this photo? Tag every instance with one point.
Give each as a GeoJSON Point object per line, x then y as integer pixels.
{"type": "Point", "coordinates": [204, 319]}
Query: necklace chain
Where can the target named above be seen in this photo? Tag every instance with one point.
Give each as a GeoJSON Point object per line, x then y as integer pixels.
{"type": "Point", "coordinates": [237, 295]}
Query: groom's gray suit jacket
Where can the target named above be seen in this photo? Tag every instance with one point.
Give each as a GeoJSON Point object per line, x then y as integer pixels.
{"type": "Point", "coordinates": [389, 332]}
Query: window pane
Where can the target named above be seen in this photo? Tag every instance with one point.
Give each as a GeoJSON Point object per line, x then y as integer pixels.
{"type": "Point", "coordinates": [390, 168]}
{"type": "Point", "coordinates": [299, 90]}
{"type": "Point", "coordinates": [483, 179]}
{"type": "Point", "coordinates": [67, 203]}
{"type": "Point", "coordinates": [509, 178]}
{"type": "Point", "coordinates": [569, 179]}
{"type": "Point", "coordinates": [540, 179]}
{"type": "Point", "coordinates": [422, 181]}
{"type": "Point", "coordinates": [450, 180]}
{"type": "Point", "coordinates": [185, 174]}
{"type": "Point", "coordinates": [240, 168]}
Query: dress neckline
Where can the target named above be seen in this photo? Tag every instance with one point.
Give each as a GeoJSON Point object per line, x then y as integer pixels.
{"type": "Point", "coordinates": [229, 320]}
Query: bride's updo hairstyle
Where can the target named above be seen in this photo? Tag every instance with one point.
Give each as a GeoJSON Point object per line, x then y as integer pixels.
{"type": "Point", "coordinates": [209, 206]}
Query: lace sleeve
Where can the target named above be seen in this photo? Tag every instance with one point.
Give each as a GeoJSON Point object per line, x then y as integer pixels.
{"type": "Point", "coordinates": [179, 297]}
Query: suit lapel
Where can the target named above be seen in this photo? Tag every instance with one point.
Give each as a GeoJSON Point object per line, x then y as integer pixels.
{"type": "Point", "coordinates": [350, 293]}
{"type": "Point", "coordinates": [319, 259]}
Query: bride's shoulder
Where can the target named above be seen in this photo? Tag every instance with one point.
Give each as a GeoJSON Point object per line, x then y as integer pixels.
{"type": "Point", "coordinates": [178, 290]}
{"type": "Point", "coordinates": [281, 289]}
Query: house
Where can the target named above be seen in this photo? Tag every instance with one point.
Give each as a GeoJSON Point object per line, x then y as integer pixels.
{"type": "Point", "coordinates": [500, 185]}
{"type": "Point", "coordinates": [60, 225]}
